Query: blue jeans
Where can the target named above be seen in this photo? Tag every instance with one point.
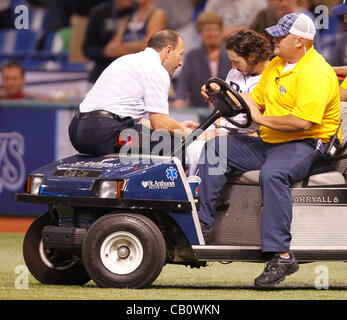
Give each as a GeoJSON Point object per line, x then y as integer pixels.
{"type": "Point", "coordinates": [280, 165]}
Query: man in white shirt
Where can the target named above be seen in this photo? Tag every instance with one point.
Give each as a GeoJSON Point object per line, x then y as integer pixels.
{"type": "Point", "coordinates": [130, 88]}
{"type": "Point", "coordinates": [249, 53]}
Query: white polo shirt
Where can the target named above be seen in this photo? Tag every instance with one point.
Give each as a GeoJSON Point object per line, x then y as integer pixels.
{"type": "Point", "coordinates": [242, 84]}
{"type": "Point", "coordinates": [131, 86]}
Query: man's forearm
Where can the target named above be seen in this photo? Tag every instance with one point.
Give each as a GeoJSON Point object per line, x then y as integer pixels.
{"type": "Point", "coordinates": [164, 122]}
{"type": "Point", "coordinates": [170, 125]}
{"type": "Point", "coordinates": [341, 70]}
{"type": "Point", "coordinates": [288, 123]}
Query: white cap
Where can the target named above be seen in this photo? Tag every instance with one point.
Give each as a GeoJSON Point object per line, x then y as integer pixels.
{"type": "Point", "coordinates": [298, 24]}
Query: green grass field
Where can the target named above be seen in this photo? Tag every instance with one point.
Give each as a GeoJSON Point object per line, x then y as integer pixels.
{"type": "Point", "coordinates": [215, 282]}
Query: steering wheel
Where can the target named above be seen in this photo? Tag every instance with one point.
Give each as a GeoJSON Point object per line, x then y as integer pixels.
{"type": "Point", "coordinates": [225, 105]}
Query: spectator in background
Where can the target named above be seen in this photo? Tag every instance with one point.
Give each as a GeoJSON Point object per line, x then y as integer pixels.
{"type": "Point", "coordinates": [180, 18]}
{"type": "Point", "coordinates": [236, 14]}
{"type": "Point", "coordinates": [13, 81]}
{"type": "Point", "coordinates": [209, 60]}
{"type": "Point", "coordinates": [136, 29]}
{"type": "Point", "coordinates": [34, 3]}
{"type": "Point", "coordinates": [284, 7]}
{"type": "Point", "coordinates": [198, 7]}
{"type": "Point", "coordinates": [266, 17]}
{"type": "Point", "coordinates": [58, 13]}
{"type": "Point", "coordinates": [79, 22]}
{"type": "Point", "coordinates": [6, 15]}
{"type": "Point", "coordinates": [104, 20]}
{"type": "Point", "coordinates": [339, 55]}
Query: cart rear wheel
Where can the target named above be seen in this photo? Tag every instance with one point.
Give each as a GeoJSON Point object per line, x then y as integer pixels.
{"type": "Point", "coordinates": [48, 265]}
{"type": "Point", "coordinates": [124, 250]}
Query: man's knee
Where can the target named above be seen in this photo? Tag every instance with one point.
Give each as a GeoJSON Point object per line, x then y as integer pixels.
{"type": "Point", "coordinates": [272, 173]}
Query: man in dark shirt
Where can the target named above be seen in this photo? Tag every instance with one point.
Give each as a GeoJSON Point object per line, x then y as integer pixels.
{"type": "Point", "coordinates": [104, 20]}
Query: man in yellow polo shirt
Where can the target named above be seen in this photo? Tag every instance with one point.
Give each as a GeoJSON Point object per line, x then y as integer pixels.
{"type": "Point", "coordinates": [297, 104]}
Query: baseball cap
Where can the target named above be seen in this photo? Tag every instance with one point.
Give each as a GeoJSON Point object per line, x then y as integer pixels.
{"type": "Point", "coordinates": [340, 9]}
{"type": "Point", "coordinates": [298, 24]}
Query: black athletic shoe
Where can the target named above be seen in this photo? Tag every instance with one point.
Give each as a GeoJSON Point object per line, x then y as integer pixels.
{"type": "Point", "coordinates": [276, 270]}
{"type": "Point", "coordinates": [206, 231]}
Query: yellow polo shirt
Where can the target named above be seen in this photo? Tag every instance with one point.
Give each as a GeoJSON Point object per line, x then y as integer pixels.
{"type": "Point", "coordinates": [344, 84]}
{"type": "Point", "coordinates": [309, 91]}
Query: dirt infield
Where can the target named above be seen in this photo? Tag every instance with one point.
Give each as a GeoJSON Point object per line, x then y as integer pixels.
{"type": "Point", "coordinates": [15, 224]}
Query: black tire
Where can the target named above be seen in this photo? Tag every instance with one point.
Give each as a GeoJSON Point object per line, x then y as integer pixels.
{"type": "Point", "coordinates": [112, 249]}
{"type": "Point", "coordinates": [50, 266]}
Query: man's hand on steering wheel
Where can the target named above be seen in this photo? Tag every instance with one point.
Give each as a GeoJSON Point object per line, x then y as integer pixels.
{"type": "Point", "coordinates": [227, 101]}
{"type": "Point", "coordinates": [255, 111]}
{"type": "Point", "coordinates": [216, 87]}
{"type": "Point", "coordinates": [213, 86]}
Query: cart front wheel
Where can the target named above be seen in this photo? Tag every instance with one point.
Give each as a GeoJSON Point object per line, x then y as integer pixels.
{"type": "Point", "coordinates": [124, 250]}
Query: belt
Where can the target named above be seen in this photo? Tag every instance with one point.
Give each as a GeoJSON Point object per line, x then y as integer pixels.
{"type": "Point", "coordinates": [96, 114]}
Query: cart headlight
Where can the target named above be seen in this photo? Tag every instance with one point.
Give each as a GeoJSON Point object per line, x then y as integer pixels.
{"type": "Point", "coordinates": [33, 184]}
{"type": "Point", "coordinates": [111, 189]}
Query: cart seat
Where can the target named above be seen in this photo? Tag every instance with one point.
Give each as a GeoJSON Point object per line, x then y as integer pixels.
{"type": "Point", "coordinates": [335, 175]}
{"type": "Point", "coordinates": [321, 179]}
